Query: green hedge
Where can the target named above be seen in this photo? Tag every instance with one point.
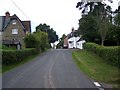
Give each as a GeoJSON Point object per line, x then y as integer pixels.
{"type": "Point", "coordinates": [109, 54]}
{"type": "Point", "coordinates": [14, 56]}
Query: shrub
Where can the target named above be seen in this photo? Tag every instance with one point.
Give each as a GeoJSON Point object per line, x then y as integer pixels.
{"type": "Point", "coordinates": [38, 40]}
{"type": "Point", "coordinates": [14, 56]}
{"type": "Point", "coordinates": [109, 54]}
{"type": "Point", "coordinates": [31, 41]}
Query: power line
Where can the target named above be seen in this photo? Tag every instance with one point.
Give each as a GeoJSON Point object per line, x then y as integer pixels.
{"type": "Point", "coordinates": [19, 9]}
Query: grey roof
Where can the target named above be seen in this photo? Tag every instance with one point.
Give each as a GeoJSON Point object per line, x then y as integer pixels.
{"type": "Point", "coordinates": [4, 22]}
{"type": "Point", "coordinates": [80, 39]}
{"type": "Point", "coordinates": [72, 34]}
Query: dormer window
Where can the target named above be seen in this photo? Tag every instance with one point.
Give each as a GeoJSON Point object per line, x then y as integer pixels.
{"type": "Point", "coordinates": [14, 22]}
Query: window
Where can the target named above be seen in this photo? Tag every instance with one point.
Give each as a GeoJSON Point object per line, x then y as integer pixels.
{"type": "Point", "coordinates": [13, 22]}
{"type": "Point", "coordinates": [70, 41]}
{"type": "Point", "coordinates": [14, 31]}
{"type": "Point", "coordinates": [0, 33]}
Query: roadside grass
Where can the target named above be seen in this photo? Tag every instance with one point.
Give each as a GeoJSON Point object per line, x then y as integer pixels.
{"type": "Point", "coordinates": [6, 68]}
{"type": "Point", "coordinates": [96, 68]}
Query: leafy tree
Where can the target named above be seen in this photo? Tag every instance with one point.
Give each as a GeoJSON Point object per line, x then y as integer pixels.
{"type": "Point", "coordinates": [87, 6]}
{"type": "Point", "coordinates": [61, 41]}
{"type": "Point", "coordinates": [43, 39]}
{"type": "Point", "coordinates": [100, 14]}
{"type": "Point", "coordinates": [31, 41]}
{"type": "Point", "coordinates": [38, 40]}
{"type": "Point", "coordinates": [117, 19]}
{"type": "Point", "coordinates": [52, 36]}
{"type": "Point", "coordinates": [88, 30]}
{"type": "Point", "coordinates": [113, 35]}
{"type": "Point", "coordinates": [103, 19]}
{"type": "Point", "coordinates": [115, 28]}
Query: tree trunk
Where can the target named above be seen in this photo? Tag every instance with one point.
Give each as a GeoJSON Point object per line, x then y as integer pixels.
{"type": "Point", "coordinates": [102, 43]}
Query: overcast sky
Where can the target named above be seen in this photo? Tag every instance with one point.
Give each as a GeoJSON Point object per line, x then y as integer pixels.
{"type": "Point", "coordinates": [61, 15]}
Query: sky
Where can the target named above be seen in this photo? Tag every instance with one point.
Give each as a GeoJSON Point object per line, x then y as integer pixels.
{"type": "Point", "coordinates": [61, 15]}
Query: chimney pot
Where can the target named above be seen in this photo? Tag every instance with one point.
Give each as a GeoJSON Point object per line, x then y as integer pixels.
{"type": "Point", "coordinates": [7, 14]}
{"type": "Point", "coordinates": [73, 29]}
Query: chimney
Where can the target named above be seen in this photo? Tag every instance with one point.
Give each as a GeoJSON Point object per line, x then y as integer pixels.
{"type": "Point", "coordinates": [7, 18]}
{"type": "Point", "coordinates": [7, 14]}
{"type": "Point", "coordinates": [73, 30]}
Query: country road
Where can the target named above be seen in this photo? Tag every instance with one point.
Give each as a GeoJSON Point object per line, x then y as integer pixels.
{"type": "Point", "coordinates": [53, 69]}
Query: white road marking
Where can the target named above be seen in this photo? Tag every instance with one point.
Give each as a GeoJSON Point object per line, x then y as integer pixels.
{"type": "Point", "coordinates": [97, 84]}
{"type": "Point", "coordinates": [101, 88]}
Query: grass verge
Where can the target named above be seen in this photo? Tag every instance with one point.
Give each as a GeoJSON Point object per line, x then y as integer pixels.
{"type": "Point", "coordinates": [96, 68]}
{"type": "Point", "coordinates": [6, 68]}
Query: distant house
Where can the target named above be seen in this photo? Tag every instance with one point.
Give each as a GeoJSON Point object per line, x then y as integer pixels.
{"type": "Point", "coordinates": [65, 42]}
{"type": "Point", "coordinates": [73, 40]}
{"type": "Point", "coordinates": [13, 30]}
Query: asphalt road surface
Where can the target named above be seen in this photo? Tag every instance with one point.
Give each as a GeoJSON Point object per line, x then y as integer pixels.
{"type": "Point", "coordinates": [53, 69]}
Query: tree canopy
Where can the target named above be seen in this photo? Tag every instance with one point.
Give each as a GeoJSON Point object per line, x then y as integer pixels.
{"type": "Point", "coordinates": [61, 41]}
{"type": "Point", "coordinates": [96, 24]}
{"type": "Point", "coordinates": [38, 40]}
{"type": "Point", "coordinates": [52, 36]}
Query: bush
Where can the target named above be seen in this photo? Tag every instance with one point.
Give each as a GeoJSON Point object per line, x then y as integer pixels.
{"type": "Point", "coordinates": [31, 41]}
{"type": "Point", "coordinates": [3, 46]}
{"type": "Point", "coordinates": [14, 56]}
{"type": "Point", "coordinates": [109, 54]}
{"type": "Point", "coordinates": [38, 40]}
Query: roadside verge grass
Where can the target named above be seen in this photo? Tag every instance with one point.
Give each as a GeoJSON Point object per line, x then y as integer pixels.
{"type": "Point", "coordinates": [96, 68]}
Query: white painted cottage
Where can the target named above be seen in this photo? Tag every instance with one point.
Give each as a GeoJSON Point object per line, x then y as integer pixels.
{"type": "Point", "coordinates": [73, 40]}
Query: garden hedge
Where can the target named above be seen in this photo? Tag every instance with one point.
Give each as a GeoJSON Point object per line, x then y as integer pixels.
{"type": "Point", "coordinates": [14, 56]}
{"type": "Point", "coordinates": [109, 53]}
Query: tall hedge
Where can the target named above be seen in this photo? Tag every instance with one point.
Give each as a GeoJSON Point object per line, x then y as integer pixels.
{"type": "Point", "coordinates": [14, 56]}
{"type": "Point", "coordinates": [109, 54]}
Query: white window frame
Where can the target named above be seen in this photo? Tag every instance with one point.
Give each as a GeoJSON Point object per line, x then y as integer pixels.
{"type": "Point", "coordinates": [14, 31]}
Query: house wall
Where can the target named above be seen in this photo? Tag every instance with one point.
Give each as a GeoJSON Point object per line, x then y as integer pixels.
{"type": "Point", "coordinates": [80, 44]}
{"type": "Point", "coordinates": [73, 41]}
{"type": "Point", "coordinates": [65, 45]}
{"type": "Point", "coordinates": [0, 23]}
{"type": "Point", "coordinates": [1, 30]}
{"type": "Point", "coordinates": [70, 43]}
{"type": "Point", "coordinates": [7, 33]}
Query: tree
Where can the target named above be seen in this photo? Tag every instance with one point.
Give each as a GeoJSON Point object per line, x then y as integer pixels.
{"type": "Point", "coordinates": [52, 36]}
{"type": "Point", "coordinates": [115, 31]}
{"type": "Point", "coordinates": [88, 29]}
{"type": "Point", "coordinates": [103, 18]}
{"type": "Point", "coordinates": [38, 40]}
{"type": "Point", "coordinates": [103, 27]}
{"type": "Point", "coordinates": [87, 6]}
{"type": "Point", "coordinates": [43, 39]}
{"type": "Point", "coordinates": [31, 41]}
{"type": "Point", "coordinates": [61, 41]}
{"type": "Point", "coordinates": [113, 35]}
{"type": "Point", "coordinates": [101, 13]}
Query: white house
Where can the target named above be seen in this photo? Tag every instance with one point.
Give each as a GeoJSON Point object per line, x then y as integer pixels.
{"type": "Point", "coordinates": [80, 44]}
{"type": "Point", "coordinates": [75, 42]}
